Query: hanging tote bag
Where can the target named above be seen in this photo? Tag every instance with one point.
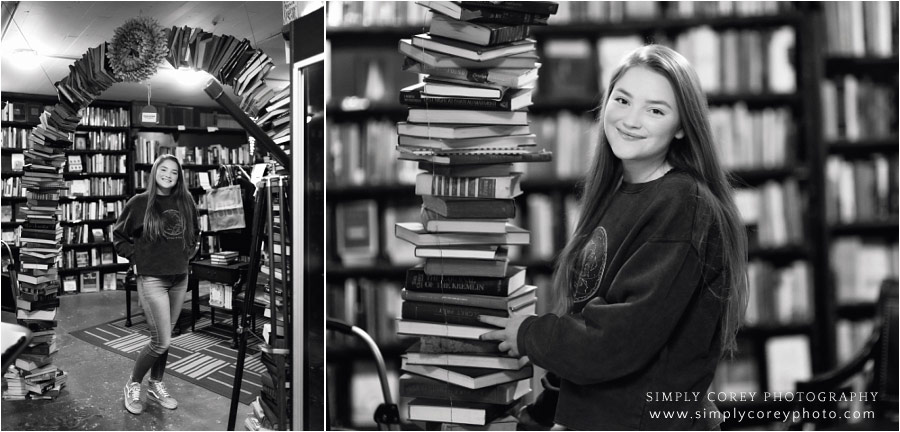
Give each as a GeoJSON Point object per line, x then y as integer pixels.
{"type": "Point", "coordinates": [226, 208]}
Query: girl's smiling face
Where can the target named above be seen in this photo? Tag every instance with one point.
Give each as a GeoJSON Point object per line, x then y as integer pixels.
{"type": "Point", "coordinates": [641, 118]}
{"type": "Point", "coordinates": [167, 176]}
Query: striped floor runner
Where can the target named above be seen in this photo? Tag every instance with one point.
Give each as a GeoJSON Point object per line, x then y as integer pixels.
{"type": "Point", "coordinates": [203, 357]}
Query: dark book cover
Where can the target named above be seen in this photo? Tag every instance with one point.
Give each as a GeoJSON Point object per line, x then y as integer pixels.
{"type": "Point", "coordinates": [470, 207]}
{"type": "Point", "coordinates": [417, 280]}
{"type": "Point", "coordinates": [481, 158]}
{"type": "Point", "coordinates": [413, 97]}
{"type": "Point", "coordinates": [487, 34]}
{"type": "Point", "coordinates": [538, 7]}
{"type": "Point", "coordinates": [443, 345]}
{"type": "Point", "coordinates": [451, 314]}
{"type": "Point", "coordinates": [36, 305]}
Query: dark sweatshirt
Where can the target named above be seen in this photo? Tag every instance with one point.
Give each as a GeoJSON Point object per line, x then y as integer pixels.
{"type": "Point", "coordinates": [168, 256]}
{"type": "Point", "coordinates": [646, 314]}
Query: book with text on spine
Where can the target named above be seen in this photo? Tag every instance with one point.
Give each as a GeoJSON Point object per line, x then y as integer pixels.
{"type": "Point", "coordinates": [523, 297]}
{"type": "Point", "coordinates": [469, 187]}
{"type": "Point", "coordinates": [455, 314]}
{"type": "Point", "coordinates": [483, 34]}
{"type": "Point", "coordinates": [466, 266]}
{"type": "Point", "coordinates": [470, 12]}
{"type": "Point", "coordinates": [507, 285]}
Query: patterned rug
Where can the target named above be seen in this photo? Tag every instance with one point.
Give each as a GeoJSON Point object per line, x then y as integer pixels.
{"type": "Point", "coordinates": [203, 357]}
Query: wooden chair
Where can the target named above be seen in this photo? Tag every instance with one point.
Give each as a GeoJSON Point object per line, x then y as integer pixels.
{"type": "Point", "coordinates": [881, 350]}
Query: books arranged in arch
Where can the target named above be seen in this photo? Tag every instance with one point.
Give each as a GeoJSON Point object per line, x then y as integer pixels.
{"type": "Point", "coordinates": [466, 127]}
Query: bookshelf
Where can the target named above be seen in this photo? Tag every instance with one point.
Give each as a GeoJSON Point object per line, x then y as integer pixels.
{"type": "Point", "coordinates": [97, 191]}
{"type": "Point", "coordinates": [858, 96]}
{"type": "Point", "coordinates": [361, 119]}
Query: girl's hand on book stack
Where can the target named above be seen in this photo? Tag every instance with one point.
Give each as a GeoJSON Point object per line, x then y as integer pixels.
{"type": "Point", "coordinates": [507, 336]}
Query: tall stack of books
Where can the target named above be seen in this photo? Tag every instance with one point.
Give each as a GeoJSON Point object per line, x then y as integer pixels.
{"type": "Point", "coordinates": [33, 375]}
{"type": "Point", "coordinates": [467, 127]}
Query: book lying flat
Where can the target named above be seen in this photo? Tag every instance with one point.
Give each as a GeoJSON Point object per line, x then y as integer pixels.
{"type": "Point", "coordinates": [473, 157]}
{"type": "Point", "coordinates": [506, 285]}
{"type": "Point", "coordinates": [522, 297]}
{"type": "Point", "coordinates": [467, 360]}
{"type": "Point", "coordinates": [459, 131]}
{"type": "Point", "coordinates": [460, 88]}
{"type": "Point", "coordinates": [487, 252]}
{"type": "Point", "coordinates": [484, 34]}
{"type": "Point", "coordinates": [469, 187]}
{"type": "Point", "coordinates": [472, 11]}
{"type": "Point", "coordinates": [416, 386]}
{"type": "Point", "coordinates": [524, 60]}
{"type": "Point", "coordinates": [455, 314]}
{"type": "Point", "coordinates": [470, 51]}
{"type": "Point", "coordinates": [427, 328]}
{"type": "Point", "coordinates": [455, 412]}
{"type": "Point", "coordinates": [443, 345]}
{"type": "Point", "coordinates": [415, 233]}
{"type": "Point", "coordinates": [468, 207]}
{"type": "Point", "coordinates": [471, 378]}
{"type": "Point", "coordinates": [506, 423]}
{"type": "Point", "coordinates": [468, 116]}
{"type": "Point", "coordinates": [510, 141]}
{"type": "Point", "coordinates": [466, 267]}
{"type": "Point", "coordinates": [513, 78]}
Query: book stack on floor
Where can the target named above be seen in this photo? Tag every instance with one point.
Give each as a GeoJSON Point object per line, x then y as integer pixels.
{"type": "Point", "coordinates": [467, 127]}
{"type": "Point", "coordinates": [33, 375]}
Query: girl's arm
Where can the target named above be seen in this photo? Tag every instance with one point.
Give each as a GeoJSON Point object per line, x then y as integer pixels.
{"type": "Point", "coordinates": [123, 232]}
{"type": "Point", "coordinates": [620, 334]}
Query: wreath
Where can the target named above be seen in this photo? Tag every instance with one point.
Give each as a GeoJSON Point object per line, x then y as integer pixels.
{"type": "Point", "coordinates": [137, 48]}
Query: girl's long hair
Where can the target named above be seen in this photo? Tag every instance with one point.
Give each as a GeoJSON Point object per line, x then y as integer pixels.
{"type": "Point", "coordinates": [694, 154]}
{"type": "Point", "coordinates": [153, 223]}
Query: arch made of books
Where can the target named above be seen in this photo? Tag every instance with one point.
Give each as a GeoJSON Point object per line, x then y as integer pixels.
{"type": "Point", "coordinates": [133, 55]}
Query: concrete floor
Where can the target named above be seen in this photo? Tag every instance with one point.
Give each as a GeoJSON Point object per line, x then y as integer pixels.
{"type": "Point", "coordinates": [92, 398]}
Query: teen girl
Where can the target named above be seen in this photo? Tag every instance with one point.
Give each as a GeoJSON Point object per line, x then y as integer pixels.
{"type": "Point", "coordinates": [157, 233]}
{"type": "Point", "coordinates": [652, 286]}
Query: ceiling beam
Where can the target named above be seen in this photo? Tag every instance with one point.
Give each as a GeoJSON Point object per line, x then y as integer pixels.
{"type": "Point", "coordinates": [9, 9]}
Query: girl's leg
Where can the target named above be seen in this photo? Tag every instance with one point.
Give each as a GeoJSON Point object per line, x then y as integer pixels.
{"type": "Point", "coordinates": [155, 299]}
{"type": "Point", "coordinates": [177, 293]}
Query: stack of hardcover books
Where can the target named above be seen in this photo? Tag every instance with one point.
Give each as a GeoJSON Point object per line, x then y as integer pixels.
{"type": "Point", "coordinates": [33, 375]}
{"type": "Point", "coordinates": [467, 127]}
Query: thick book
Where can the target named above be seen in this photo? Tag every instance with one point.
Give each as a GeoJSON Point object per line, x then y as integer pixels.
{"type": "Point", "coordinates": [449, 87]}
{"type": "Point", "coordinates": [539, 7]}
{"type": "Point", "coordinates": [487, 252]}
{"type": "Point", "coordinates": [511, 100]}
{"type": "Point", "coordinates": [465, 12]}
{"type": "Point", "coordinates": [455, 314]}
{"type": "Point", "coordinates": [524, 60]}
{"type": "Point", "coordinates": [440, 345]}
{"type": "Point", "coordinates": [418, 280]}
{"type": "Point", "coordinates": [459, 131]}
{"type": "Point", "coordinates": [490, 226]}
{"type": "Point", "coordinates": [466, 360]}
{"type": "Point", "coordinates": [468, 116]}
{"type": "Point", "coordinates": [471, 378]}
{"type": "Point", "coordinates": [37, 305]}
{"type": "Point", "coordinates": [466, 267]}
{"type": "Point", "coordinates": [505, 187]}
{"type": "Point", "coordinates": [513, 78]}
{"type": "Point", "coordinates": [426, 328]}
{"type": "Point", "coordinates": [469, 207]}
{"type": "Point", "coordinates": [472, 413]}
{"type": "Point", "coordinates": [415, 386]}
{"type": "Point", "coordinates": [415, 233]}
{"type": "Point", "coordinates": [506, 423]}
{"type": "Point", "coordinates": [484, 34]}
{"type": "Point", "coordinates": [522, 297]}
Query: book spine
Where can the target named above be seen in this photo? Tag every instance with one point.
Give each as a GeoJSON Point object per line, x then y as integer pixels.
{"type": "Point", "coordinates": [505, 34]}
{"type": "Point", "coordinates": [417, 280]}
{"type": "Point", "coordinates": [435, 312]}
{"type": "Point", "coordinates": [513, 17]}
{"type": "Point", "coordinates": [455, 299]}
{"type": "Point", "coordinates": [415, 99]}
